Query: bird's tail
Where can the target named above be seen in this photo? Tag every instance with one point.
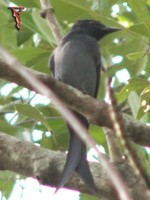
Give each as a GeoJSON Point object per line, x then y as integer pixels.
{"type": "Point", "coordinates": [76, 159]}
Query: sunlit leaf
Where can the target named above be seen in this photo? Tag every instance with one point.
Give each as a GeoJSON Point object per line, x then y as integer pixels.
{"type": "Point", "coordinates": [135, 56]}
{"type": "Point", "coordinates": [145, 103]}
{"type": "Point", "coordinates": [141, 10]}
{"type": "Point", "coordinates": [134, 84]}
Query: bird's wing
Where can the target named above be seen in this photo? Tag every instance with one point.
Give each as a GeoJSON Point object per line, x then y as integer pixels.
{"type": "Point", "coordinates": [52, 63]}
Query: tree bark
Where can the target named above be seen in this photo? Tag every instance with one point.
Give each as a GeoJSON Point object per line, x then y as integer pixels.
{"type": "Point", "coordinates": [46, 165]}
{"type": "Point", "coordinates": [95, 111]}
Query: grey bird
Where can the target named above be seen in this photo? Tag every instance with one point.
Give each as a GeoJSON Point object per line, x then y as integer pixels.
{"type": "Point", "coordinates": [77, 62]}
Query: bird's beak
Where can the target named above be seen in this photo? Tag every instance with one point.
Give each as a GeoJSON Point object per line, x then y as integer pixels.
{"type": "Point", "coordinates": [111, 30]}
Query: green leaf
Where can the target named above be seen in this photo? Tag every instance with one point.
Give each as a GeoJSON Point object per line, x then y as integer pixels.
{"type": "Point", "coordinates": [145, 103]}
{"type": "Point", "coordinates": [7, 182]}
{"type": "Point", "coordinates": [30, 111]}
{"type": "Point", "coordinates": [5, 15]}
{"type": "Point", "coordinates": [8, 37]}
{"type": "Point", "coordinates": [73, 10]}
{"type": "Point", "coordinates": [49, 142]}
{"type": "Point", "coordinates": [99, 135]}
{"type": "Point", "coordinates": [134, 84]}
{"type": "Point", "coordinates": [145, 95]}
{"type": "Point", "coordinates": [7, 128]}
{"type": "Point", "coordinates": [140, 29]}
{"type": "Point", "coordinates": [139, 65]}
{"type": "Point", "coordinates": [43, 27]}
{"type": "Point", "coordinates": [28, 4]}
{"type": "Point", "coordinates": [141, 113]}
{"type": "Point", "coordinates": [144, 156]}
{"type": "Point", "coordinates": [23, 36]}
{"type": "Point", "coordinates": [27, 21]}
{"type": "Point", "coordinates": [141, 10]}
{"type": "Point", "coordinates": [59, 134]}
{"type": "Point", "coordinates": [40, 63]}
{"type": "Point", "coordinates": [88, 197]}
{"type": "Point", "coordinates": [33, 113]}
{"type": "Point", "coordinates": [35, 57]}
{"type": "Point", "coordinates": [134, 102]}
{"type": "Point", "coordinates": [135, 56]}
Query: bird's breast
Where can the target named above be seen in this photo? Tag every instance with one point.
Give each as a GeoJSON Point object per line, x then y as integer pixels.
{"type": "Point", "coordinates": [75, 65]}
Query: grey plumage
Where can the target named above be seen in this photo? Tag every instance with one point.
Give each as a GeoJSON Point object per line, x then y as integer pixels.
{"type": "Point", "coordinates": [76, 62]}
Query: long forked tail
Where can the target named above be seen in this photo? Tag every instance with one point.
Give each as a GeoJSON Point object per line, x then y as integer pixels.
{"type": "Point", "coordinates": [76, 159]}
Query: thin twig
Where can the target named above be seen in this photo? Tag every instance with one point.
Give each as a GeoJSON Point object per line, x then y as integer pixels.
{"type": "Point", "coordinates": [113, 146]}
{"type": "Point", "coordinates": [119, 129]}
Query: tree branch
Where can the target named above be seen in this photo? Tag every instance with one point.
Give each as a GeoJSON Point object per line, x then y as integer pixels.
{"type": "Point", "coordinates": [46, 165]}
{"type": "Point", "coordinates": [94, 110]}
{"type": "Point", "coordinates": [48, 13]}
{"type": "Point", "coordinates": [34, 82]}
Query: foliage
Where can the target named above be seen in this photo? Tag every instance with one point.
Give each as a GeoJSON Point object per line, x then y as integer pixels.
{"type": "Point", "coordinates": [20, 110]}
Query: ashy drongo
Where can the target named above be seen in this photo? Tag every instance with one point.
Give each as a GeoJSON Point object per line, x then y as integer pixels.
{"type": "Point", "coordinates": [77, 62]}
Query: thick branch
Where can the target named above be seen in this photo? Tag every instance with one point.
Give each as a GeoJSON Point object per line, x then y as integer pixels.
{"type": "Point", "coordinates": [94, 110]}
{"type": "Point", "coordinates": [27, 159]}
{"type": "Point", "coordinates": [40, 87]}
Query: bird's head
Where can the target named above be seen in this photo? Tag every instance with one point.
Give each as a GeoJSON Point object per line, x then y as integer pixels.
{"type": "Point", "coordinates": [93, 28]}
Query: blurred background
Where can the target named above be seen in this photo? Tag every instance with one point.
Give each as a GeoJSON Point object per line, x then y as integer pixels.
{"type": "Point", "coordinates": [30, 116]}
